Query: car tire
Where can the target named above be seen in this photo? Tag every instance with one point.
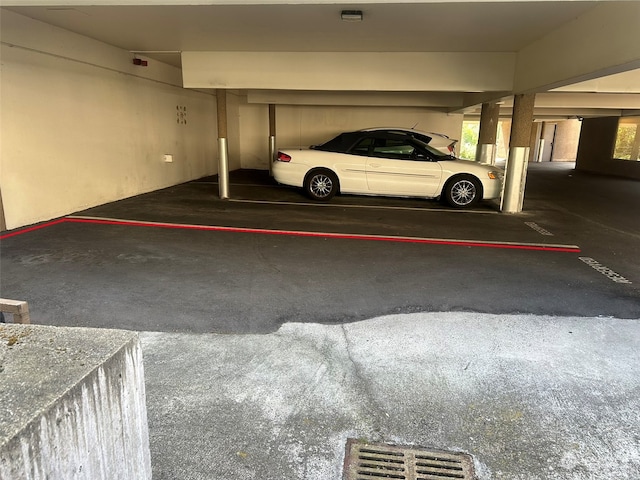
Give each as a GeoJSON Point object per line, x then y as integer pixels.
{"type": "Point", "coordinates": [321, 185]}
{"type": "Point", "coordinates": [463, 191]}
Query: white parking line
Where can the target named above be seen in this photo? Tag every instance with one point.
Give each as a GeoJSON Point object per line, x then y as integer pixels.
{"type": "Point", "coordinates": [538, 229]}
{"type": "Point", "coordinates": [245, 185]}
{"type": "Point", "coordinates": [607, 272]}
{"type": "Point", "coordinates": [372, 207]}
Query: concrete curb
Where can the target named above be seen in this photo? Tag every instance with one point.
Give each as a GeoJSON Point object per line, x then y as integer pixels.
{"type": "Point", "coordinates": [72, 404]}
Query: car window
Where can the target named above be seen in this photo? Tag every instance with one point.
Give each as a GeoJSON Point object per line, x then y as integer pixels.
{"type": "Point", "coordinates": [393, 148]}
{"type": "Point", "coordinates": [341, 143]}
{"type": "Point", "coordinates": [362, 147]}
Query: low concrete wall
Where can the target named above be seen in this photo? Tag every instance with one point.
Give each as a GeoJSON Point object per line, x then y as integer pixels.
{"type": "Point", "coordinates": [72, 404]}
{"type": "Point", "coordinates": [595, 151]}
{"type": "Point", "coordinates": [18, 308]}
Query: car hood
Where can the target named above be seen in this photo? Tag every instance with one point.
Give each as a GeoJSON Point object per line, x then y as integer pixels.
{"type": "Point", "coordinates": [456, 164]}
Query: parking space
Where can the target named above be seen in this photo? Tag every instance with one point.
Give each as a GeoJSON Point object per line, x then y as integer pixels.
{"type": "Point", "coordinates": [182, 260]}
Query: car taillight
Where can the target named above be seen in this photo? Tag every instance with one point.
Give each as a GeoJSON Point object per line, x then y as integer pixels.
{"type": "Point", "coordinates": [283, 157]}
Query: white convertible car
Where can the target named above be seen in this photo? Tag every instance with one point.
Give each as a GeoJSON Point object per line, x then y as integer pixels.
{"type": "Point", "coordinates": [386, 162]}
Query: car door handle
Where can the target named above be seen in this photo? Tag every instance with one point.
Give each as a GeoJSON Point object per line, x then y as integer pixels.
{"type": "Point", "coordinates": [375, 165]}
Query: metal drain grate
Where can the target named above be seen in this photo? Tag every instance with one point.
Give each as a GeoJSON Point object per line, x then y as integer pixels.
{"type": "Point", "coordinates": [370, 461]}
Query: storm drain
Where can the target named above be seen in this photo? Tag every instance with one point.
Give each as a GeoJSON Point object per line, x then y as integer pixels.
{"type": "Point", "coordinates": [369, 461]}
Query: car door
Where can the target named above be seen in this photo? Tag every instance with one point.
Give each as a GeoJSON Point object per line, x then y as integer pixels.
{"type": "Point", "coordinates": [397, 166]}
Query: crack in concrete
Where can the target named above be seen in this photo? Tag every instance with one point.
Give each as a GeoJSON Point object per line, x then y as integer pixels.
{"type": "Point", "coordinates": [372, 408]}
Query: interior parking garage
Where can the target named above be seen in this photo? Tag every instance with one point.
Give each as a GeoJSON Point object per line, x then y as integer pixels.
{"type": "Point", "coordinates": [135, 193]}
{"type": "Point", "coordinates": [81, 109]}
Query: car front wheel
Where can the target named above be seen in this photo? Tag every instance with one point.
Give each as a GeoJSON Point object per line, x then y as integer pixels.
{"type": "Point", "coordinates": [321, 185]}
{"type": "Point", "coordinates": [463, 191]}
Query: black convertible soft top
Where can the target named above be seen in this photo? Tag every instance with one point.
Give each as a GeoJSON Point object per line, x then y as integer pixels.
{"type": "Point", "coordinates": [341, 143]}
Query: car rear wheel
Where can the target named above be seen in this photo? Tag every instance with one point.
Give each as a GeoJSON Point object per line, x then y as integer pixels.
{"type": "Point", "coordinates": [463, 191]}
{"type": "Point", "coordinates": [321, 185]}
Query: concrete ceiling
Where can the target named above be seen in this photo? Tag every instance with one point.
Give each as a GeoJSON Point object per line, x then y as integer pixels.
{"type": "Point", "coordinates": [161, 31]}
{"type": "Point", "coordinates": [401, 27]}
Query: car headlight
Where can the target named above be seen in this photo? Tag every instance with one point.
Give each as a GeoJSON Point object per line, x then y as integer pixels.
{"type": "Point", "coordinates": [495, 174]}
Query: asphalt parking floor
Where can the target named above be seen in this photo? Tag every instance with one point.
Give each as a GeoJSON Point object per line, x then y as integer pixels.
{"type": "Point", "coordinates": [181, 260]}
{"type": "Point", "coordinates": [273, 329]}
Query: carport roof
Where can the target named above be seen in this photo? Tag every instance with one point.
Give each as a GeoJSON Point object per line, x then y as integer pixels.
{"type": "Point", "coordinates": [307, 26]}
{"type": "Point", "coordinates": [164, 29]}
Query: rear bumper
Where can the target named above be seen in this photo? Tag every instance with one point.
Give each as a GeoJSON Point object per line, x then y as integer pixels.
{"type": "Point", "coordinates": [289, 173]}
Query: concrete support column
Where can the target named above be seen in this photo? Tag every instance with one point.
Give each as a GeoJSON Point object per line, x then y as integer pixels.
{"type": "Point", "coordinates": [635, 149]}
{"type": "Point", "coordinates": [486, 151]}
{"type": "Point", "coordinates": [516, 169]}
{"type": "Point", "coordinates": [535, 155]}
{"type": "Point", "coordinates": [272, 136]}
{"type": "Point", "coordinates": [223, 149]}
{"type": "Point", "coordinates": [3, 223]}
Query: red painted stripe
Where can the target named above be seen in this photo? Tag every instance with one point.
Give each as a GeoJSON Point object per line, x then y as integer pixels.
{"type": "Point", "coordinates": [379, 238]}
{"type": "Point", "coordinates": [31, 229]}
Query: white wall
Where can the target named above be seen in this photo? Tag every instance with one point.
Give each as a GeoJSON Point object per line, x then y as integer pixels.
{"type": "Point", "coordinates": [233, 130]}
{"type": "Point", "coordinates": [304, 126]}
{"type": "Point", "coordinates": [301, 126]}
{"type": "Point", "coordinates": [254, 125]}
{"type": "Point", "coordinates": [82, 126]}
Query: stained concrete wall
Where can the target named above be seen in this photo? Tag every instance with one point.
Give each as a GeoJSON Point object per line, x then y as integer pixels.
{"type": "Point", "coordinates": [565, 147]}
{"type": "Point", "coordinates": [299, 125]}
{"type": "Point", "coordinates": [595, 152]}
{"type": "Point", "coordinates": [304, 125]}
{"type": "Point", "coordinates": [83, 126]}
{"type": "Point", "coordinates": [548, 137]}
{"type": "Point", "coordinates": [72, 404]}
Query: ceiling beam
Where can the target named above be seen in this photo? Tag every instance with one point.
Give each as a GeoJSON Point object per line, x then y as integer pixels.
{"type": "Point", "coordinates": [626, 82]}
{"type": "Point", "coordinates": [603, 41]}
{"type": "Point", "coordinates": [378, 99]}
{"type": "Point", "coordinates": [57, 3]}
{"type": "Point", "coordinates": [349, 71]}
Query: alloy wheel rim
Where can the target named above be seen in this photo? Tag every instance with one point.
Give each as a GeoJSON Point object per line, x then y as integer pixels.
{"type": "Point", "coordinates": [321, 185]}
{"type": "Point", "coordinates": [463, 192]}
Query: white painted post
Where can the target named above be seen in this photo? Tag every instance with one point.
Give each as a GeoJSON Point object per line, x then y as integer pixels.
{"type": "Point", "coordinates": [516, 168]}
{"type": "Point", "coordinates": [272, 137]}
{"type": "Point", "coordinates": [223, 149]}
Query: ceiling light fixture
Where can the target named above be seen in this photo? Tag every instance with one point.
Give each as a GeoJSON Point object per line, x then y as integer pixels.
{"type": "Point", "coordinates": [351, 15]}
